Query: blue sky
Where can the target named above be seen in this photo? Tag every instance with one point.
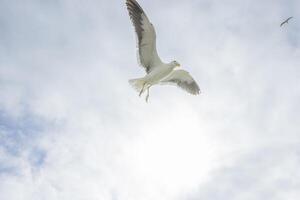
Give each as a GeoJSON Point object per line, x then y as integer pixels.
{"type": "Point", "coordinates": [71, 127]}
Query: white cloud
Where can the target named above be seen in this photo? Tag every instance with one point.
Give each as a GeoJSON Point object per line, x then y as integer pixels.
{"type": "Point", "coordinates": [267, 173]}
{"type": "Point", "coordinates": [66, 65]}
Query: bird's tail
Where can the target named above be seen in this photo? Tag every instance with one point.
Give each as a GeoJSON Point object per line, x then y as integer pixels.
{"type": "Point", "coordinates": [137, 84]}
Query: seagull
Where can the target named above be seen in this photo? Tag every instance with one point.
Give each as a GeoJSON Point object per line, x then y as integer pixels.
{"type": "Point", "coordinates": [286, 21]}
{"type": "Point", "coordinates": [157, 72]}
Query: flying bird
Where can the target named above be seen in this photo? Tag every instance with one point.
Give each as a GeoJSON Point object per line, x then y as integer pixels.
{"type": "Point", "coordinates": [286, 21]}
{"type": "Point", "coordinates": [157, 72]}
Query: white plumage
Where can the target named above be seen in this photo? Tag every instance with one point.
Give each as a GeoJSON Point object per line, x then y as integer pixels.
{"type": "Point", "coordinates": [157, 71]}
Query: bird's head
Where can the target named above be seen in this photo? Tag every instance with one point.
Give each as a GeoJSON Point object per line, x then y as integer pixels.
{"type": "Point", "coordinates": [175, 64]}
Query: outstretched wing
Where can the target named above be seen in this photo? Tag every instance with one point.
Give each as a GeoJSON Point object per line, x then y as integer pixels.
{"type": "Point", "coordinates": [146, 36]}
{"type": "Point", "coordinates": [184, 80]}
{"type": "Point", "coordinates": [286, 21]}
{"type": "Point", "coordinates": [289, 19]}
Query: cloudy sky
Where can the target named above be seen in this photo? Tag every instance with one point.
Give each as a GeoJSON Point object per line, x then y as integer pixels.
{"type": "Point", "coordinates": [71, 127]}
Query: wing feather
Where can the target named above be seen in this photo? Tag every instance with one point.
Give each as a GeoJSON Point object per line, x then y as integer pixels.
{"type": "Point", "coordinates": [146, 36]}
{"type": "Point", "coordinates": [184, 80]}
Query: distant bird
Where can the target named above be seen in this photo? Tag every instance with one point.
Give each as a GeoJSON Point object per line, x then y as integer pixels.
{"type": "Point", "coordinates": [286, 21]}
{"type": "Point", "coordinates": [157, 71]}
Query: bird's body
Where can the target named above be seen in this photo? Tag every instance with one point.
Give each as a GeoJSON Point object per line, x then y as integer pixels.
{"type": "Point", "coordinates": [157, 71]}
{"type": "Point", "coordinates": [158, 74]}
{"type": "Point", "coordinates": [286, 21]}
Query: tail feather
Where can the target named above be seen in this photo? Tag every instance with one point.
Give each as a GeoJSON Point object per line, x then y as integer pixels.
{"type": "Point", "coordinates": [137, 84]}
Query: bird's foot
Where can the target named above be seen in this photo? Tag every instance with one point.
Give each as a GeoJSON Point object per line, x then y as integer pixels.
{"type": "Point", "coordinates": [142, 90]}
{"type": "Point", "coordinates": [147, 97]}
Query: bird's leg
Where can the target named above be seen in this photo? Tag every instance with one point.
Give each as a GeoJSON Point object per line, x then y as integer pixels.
{"type": "Point", "coordinates": [147, 97]}
{"type": "Point", "coordinates": [142, 90]}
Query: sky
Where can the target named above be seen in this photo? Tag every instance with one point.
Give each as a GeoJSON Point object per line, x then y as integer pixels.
{"type": "Point", "coordinates": [71, 127]}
